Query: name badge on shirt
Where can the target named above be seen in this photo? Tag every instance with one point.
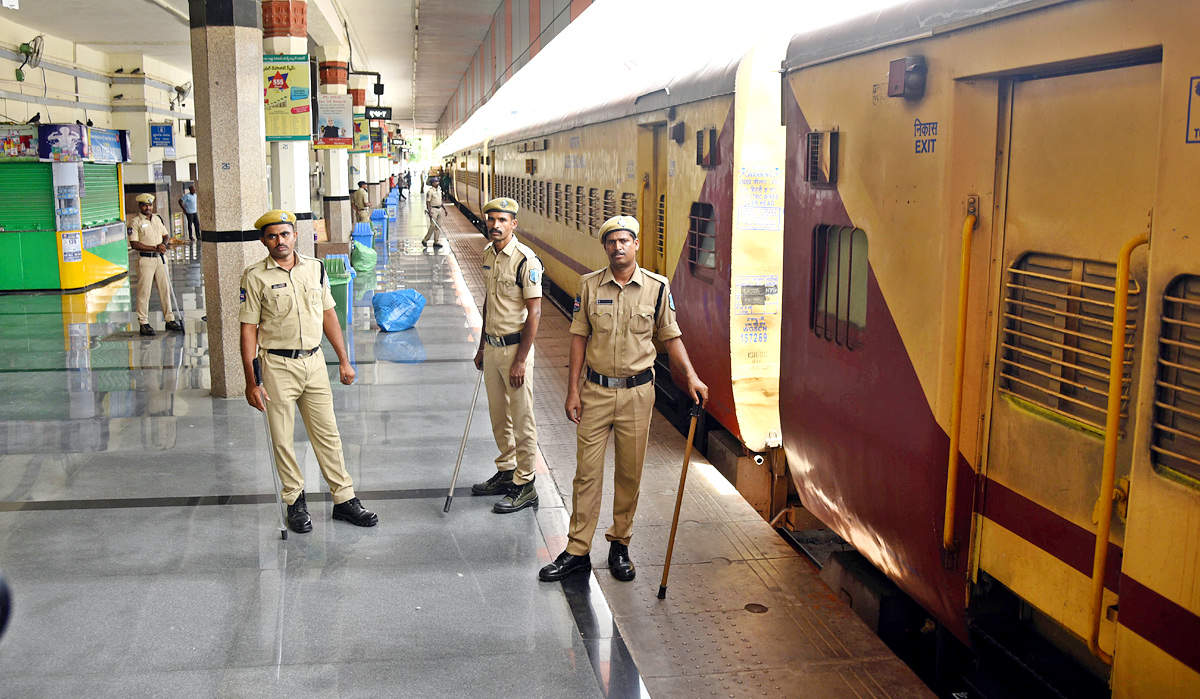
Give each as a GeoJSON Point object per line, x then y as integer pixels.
{"type": "Point", "coordinates": [279, 286]}
{"type": "Point", "coordinates": [603, 302]}
{"type": "Point", "coordinates": [487, 266]}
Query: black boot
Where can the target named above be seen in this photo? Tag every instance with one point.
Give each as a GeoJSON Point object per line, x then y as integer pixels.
{"type": "Point", "coordinates": [618, 562]}
{"type": "Point", "coordinates": [353, 512]}
{"type": "Point", "coordinates": [498, 484]}
{"type": "Point", "coordinates": [174, 326]}
{"type": "Point", "coordinates": [564, 565]}
{"type": "Point", "coordinates": [298, 519]}
{"type": "Point", "coordinates": [147, 330]}
{"type": "Point", "coordinates": [518, 498]}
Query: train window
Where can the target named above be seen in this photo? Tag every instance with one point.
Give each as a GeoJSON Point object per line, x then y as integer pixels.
{"type": "Point", "coordinates": [568, 205]}
{"type": "Point", "coordinates": [820, 158]}
{"type": "Point", "coordinates": [594, 209]}
{"type": "Point", "coordinates": [610, 204]}
{"type": "Point", "coordinates": [580, 218]}
{"type": "Point", "coordinates": [1176, 441]}
{"type": "Point", "coordinates": [628, 204]}
{"type": "Point", "coordinates": [558, 202]}
{"type": "Point", "coordinates": [660, 227]}
{"type": "Point", "coordinates": [839, 285]}
{"type": "Point", "coordinates": [701, 241]}
{"type": "Point", "coordinates": [1058, 337]}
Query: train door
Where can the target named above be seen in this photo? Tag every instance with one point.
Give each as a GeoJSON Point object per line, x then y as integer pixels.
{"type": "Point", "coordinates": [652, 151]}
{"type": "Point", "coordinates": [1076, 181]}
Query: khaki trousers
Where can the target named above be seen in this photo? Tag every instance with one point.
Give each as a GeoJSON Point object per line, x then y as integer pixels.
{"type": "Point", "coordinates": [434, 233]}
{"type": "Point", "coordinates": [626, 413]}
{"type": "Point", "coordinates": [363, 216]}
{"type": "Point", "coordinates": [304, 382]}
{"type": "Point", "coordinates": [511, 411]}
{"type": "Point", "coordinates": [152, 272]}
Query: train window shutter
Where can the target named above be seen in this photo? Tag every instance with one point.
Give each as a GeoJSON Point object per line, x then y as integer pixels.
{"type": "Point", "coordinates": [839, 285]}
{"type": "Point", "coordinates": [702, 241]}
{"type": "Point", "coordinates": [1058, 337]}
{"type": "Point", "coordinates": [1175, 445]}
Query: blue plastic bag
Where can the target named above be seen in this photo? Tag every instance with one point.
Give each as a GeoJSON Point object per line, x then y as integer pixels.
{"type": "Point", "coordinates": [397, 310]}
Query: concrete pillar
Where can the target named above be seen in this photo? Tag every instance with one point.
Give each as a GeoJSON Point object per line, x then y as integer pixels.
{"type": "Point", "coordinates": [334, 67]}
{"type": "Point", "coordinates": [374, 185]}
{"type": "Point", "coordinates": [227, 67]}
{"type": "Point", "coordinates": [285, 31]}
{"type": "Point", "coordinates": [357, 86]}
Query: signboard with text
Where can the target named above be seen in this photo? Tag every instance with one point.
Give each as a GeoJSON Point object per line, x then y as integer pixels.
{"type": "Point", "coordinates": [286, 97]}
{"type": "Point", "coordinates": [335, 121]}
{"type": "Point", "coordinates": [162, 136]}
{"type": "Point", "coordinates": [362, 136]}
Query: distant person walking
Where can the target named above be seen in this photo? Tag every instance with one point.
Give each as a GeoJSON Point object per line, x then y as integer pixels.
{"type": "Point", "coordinates": [188, 203]}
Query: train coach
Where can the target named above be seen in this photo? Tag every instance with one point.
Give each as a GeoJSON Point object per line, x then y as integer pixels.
{"type": "Point", "coordinates": [903, 276]}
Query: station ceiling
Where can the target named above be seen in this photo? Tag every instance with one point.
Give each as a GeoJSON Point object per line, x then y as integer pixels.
{"type": "Point", "coordinates": [382, 34]}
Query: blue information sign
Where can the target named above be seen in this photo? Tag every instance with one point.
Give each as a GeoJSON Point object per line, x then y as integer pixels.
{"type": "Point", "coordinates": [162, 136]}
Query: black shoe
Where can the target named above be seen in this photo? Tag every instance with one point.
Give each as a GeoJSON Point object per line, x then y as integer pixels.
{"type": "Point", "coordinates": [563, 566]}
{"type": "Point", "coordinates": [618, 562]}
{"type": "Point", "coordinates": [496, 485]}
{"type": "Point", "coordinates": [353, 512]}
{"type": "Point", "coordinates": [174, 326]}
{"type": "Point", "coordinates": [298, 519]}
{"type": "Point", "coordinates": [518, 498]}
{"type": "Point", "coordinates": [147, 330]}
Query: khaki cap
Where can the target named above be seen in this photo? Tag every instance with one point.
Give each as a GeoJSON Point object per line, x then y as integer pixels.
{"type": "Point", "coordinates": [275, 216]}
{"type": "Point", "coordinates": [620, 223]}
{"type": "Point", "coordinates": [145, 198]}
{"type": "Point", "coordinates": [503, 205]}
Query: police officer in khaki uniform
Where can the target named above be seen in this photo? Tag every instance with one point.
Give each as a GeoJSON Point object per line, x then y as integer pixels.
{"type": "Point", "coordinates": [433, 207]}
{"type": "Point", "coordinates": [148, 236]}
{"type": "Point", "coordinates": [285, 306]}
{"type": "Point", "coordinates": [511, 313]}
{"type": "Point", "coordinates": [360, 201]}
{"type": "Point", "coordinates": [618, 313]}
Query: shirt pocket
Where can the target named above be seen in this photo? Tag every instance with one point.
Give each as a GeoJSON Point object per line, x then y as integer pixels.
{"type": "Point", "coordinates": [279, 303]}
{"type": "Point", "coordinates": [601, 317]}
{"type": "Point", "coordinates": [507, 287]}
{"type": "Point", "coordinates": [641, 319]}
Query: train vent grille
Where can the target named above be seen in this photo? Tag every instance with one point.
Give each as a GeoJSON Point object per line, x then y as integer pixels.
{"type": "Point", "coordinates": [1058, 337]}
{"type": "Point", "coordinates": [660, 227]}
{"type": "Point", "coordinates": [1176, 441]}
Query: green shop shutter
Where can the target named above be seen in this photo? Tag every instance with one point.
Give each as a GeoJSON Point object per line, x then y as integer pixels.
{"type": "Point", "coordinates": [101, 201]}
{"type": "Point", "coordinates": [26, 197]}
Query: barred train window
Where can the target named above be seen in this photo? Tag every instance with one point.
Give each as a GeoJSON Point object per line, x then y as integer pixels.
{"type": "Point", "coordinates": [558, 203]}
{"type": "Point", "coordinates": [568, 205]}
{"type": "Point", "coordinates": [610, 204]}
{"type": "Point", "coordinates": [1058, 337]}
{"type": "Point", "coordinates": [628, 204]}
{"type": "Point", "coordinates": [839, 285]}
{"type": "Point", "coordinates": [580, 203]}
{"type": "Point", "coordinates": [1176, 441]}
{"type": "Point", "coordinates": [702, 241]}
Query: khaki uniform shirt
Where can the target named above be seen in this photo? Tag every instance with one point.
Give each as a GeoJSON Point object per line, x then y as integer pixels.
{"type": "Point", "coordinates": [433, 198]}
{"type": "Point", "coordinates": [286, 306]}
{"type": "Point", "coordinates": [148, 230]}
{"type": "Point", "coordinates": [506, 294]}
{"type": "Point", "coordinates": [360, 199]}
{"type": "Point", "coordinates": [622, 323]}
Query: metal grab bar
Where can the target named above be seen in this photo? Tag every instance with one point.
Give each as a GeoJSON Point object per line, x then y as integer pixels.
{"type": "Point", "coordinates": [1108, 475]}
{"type": "Point", "coordinates": [960, 351]}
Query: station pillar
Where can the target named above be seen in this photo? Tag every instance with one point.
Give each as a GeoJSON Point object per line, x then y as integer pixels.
{"type": "Point", "coordinates": [226, 39]}
{"type": "Point", "coordinates": [358, 161]}
{"type": "Point", "coordinates": [334, 70]}
{"type": "Point", "coordinates": [285, 31]}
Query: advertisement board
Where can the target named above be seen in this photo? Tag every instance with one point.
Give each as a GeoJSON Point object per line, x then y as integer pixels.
{"type": "Point", "coordinates": [286, 97]}
{"type": "Point", "coordinates": [106, 145]}
{"type": "Point", "coordinates": [18, 142]}
{"type": "Point", "coordinates": [62, 142]}
{"type": "Point", "coordinates": [335, 121]}
{"type": "Point", "coordinates": [362, 136]}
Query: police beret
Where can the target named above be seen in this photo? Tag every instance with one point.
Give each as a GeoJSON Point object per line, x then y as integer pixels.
{"type": "Point", "coordinates": [145, 198]}
{"type": "Point", "coordinates": [503, 205]}
{"type": "Point", "coordinates": [275, 216]}
{"type": "Point", "coordinates": [620, 223]}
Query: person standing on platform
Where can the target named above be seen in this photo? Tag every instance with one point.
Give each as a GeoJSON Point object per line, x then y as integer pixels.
{"type": "Point", "coordinates": [512, 310]}
{"type": "Point", "coordinates": [187, 202]}
{"type": "Point", "coordinates": [148, 236]}
{"type": "Point", "coordinates": [434, 209]}
{"type": "Point", "coordinates": [286, 305]}
{"type": "Point", "coordinates": [618, 312]}
{"type": "Point", "coordinates": [361, 202]}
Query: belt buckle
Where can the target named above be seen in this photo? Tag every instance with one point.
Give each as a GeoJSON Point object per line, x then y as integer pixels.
{"type": "Point", "coordinates": [618, 382]}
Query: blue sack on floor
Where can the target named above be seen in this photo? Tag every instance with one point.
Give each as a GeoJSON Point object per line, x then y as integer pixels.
{"type": "Point", "coordinates": [397, 310]}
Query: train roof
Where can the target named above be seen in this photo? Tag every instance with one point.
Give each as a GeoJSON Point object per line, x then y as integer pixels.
{"type": "Point", "coordinates": [906, 22]}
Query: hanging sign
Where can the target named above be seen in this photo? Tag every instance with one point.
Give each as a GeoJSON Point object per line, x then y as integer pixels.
{"type": "Point", "coordinates": [382, 113]}
{"type": "Point", "coordinates": [335, 121]}
{"type": "Point", "coordinates": [286, 97]}
{"type": "Point", "coordinates": [362, 136]}
{"type": "Point", "coordinates": [376, 140]}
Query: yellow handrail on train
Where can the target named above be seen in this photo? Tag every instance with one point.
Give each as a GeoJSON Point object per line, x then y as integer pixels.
{"type": "Point", "coordinates": [960, 351]}
{"type": "Point", "coordinates": [1112, 423]}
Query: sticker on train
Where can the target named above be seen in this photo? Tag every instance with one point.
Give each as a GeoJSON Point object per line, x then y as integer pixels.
{"type": "Point", "coordinates": [925, 136]}
{"type": "Point", "coordinates": [671, 169]}
{"type": "Point", "coordinates": [754, 329]}
{"type": "Point", "coordinates": [759, 197]}
{"type": "Point", "coordinates": [1193, 120]}
{"type": "Point", "coordinates": [756, 295]}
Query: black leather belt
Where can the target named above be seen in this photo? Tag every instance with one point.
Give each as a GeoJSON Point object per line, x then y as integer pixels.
{"type": "Point", "coordinates": [621, 381]}
{"type": "Point", "coordinates": [149, 254]}
{"type": "Point", "coordinates": [502, 341]}
{"type": "Point", "coordinates": [294, 354]}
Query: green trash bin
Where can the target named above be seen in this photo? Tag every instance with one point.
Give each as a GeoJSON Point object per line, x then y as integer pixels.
{"type": "Point", "coordinates": [341, 285]}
